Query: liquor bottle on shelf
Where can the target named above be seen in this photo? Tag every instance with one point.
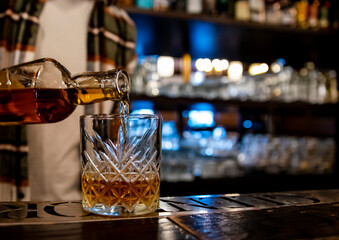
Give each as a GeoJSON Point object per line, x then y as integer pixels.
{"type": "Point", "coordinates": [313, 8]}
{"type": "Point", "coordinates": [332, 86]}
{"type": "Point", "coordinates": [43, 91]}
{"type": "Point", "coordinates": [288, 13]}
{"type": "Point", "coordinates": [147, 4]}
{"type": "Point", "coordinates": [194, 6]}
{"type": "Point", "coordinates": [257, 11]}
{"type": "Point", "coordinates": [242, 10]}
{"type": "Point", "coordinates": [324, 22]}
{"type": "Point", "coordinates": [210, 7]}
{"type": "Point", "coordinates": [161, 5]}
{"type": "Point", "coordinates": [302, 13]}
{"type": "Point", "coordinates": [273, 12]}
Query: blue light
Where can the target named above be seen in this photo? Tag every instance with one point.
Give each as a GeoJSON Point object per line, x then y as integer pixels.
{"type": "Point", "coordinates": [200, 118]}
{"type": "Point", "coordinates": [169, 128]}
{"type": "Point", "coordinates": [142, 104]}
{"type": "Point", "coordinates": [167, 145]}
{"type": "Point", "coordinates": [142, 107]}
{"type": "Point", "coordinates": [202, 39]}
{"type": "Point", "coordinates": [197, 78]}
{"type": "Point", "coordinates": [142, 111]}
{"type": "Point", "coordinates": [170, 136]}
{"type": "Point", "coordinates": [219, 133]}
{"type": "Point", "coordinates": [281, 61]}
{"type": "Point", "coordinates": [209, 152]}
{"type": "Point", "coordinates": [146, 34]}
{"type": "Point", "coordinates": [202, 106]}
{"type": "Point", "coordinates": [141, 59]}
{"type": "Point", "coordinates": [184, 114]}
{"type": "Point", "coordinates": [197, 135]}
{"type": "Point", "coordinates": [144, 3]}
{"type": "Point", "coordinates": [201, 115]}
{"type": "Point", "coordinates": [247, 124]}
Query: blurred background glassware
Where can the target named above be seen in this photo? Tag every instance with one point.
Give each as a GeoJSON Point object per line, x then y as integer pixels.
{"type": "Point", "coordinates": [287, 154]}
{"type": "Point", "coordinates": [43, 91]}
{"type": "Point", "coordinates": [281, 84]}
{"type": "Point", "coordinates": [208, 155]}
{"type": "Point", "coordinates": [120, 159]}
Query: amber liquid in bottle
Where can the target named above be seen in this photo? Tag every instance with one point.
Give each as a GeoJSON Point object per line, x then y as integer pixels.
{"type": "Point", "coordinates": [50, 105]}
{"type": "Point", "coordinates": [43, 91]}
{"type": "Point", "coordinates": [34, 105]}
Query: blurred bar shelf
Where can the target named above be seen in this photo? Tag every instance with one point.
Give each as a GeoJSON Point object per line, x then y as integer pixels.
{"type": "Point", "coordinates": [169, 103]}
{"type": "Point", "coordinates": [232, 39]}
{"type": "Point", "coordinates": [250, 183]}
{"type": "Point", "coordinates": [224, 20]}
{"type": "Point", "coordinates": [173, 33]}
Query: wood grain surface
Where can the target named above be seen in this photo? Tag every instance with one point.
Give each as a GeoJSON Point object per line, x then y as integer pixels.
{"type": "Point", "coordinates": [280, 215]}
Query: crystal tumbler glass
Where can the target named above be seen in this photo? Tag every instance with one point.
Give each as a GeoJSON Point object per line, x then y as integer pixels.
{"type": "Point", "coordinates": [120, 160]}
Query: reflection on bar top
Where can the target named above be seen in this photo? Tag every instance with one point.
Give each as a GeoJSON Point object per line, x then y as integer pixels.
{"type": "Point", "coordinates": [27, 213]}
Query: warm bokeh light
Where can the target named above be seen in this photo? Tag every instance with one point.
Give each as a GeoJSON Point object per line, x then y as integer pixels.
{"type": "Point", "coordinates": [235, 71]}
{"type": "Point", "coordinates": [257, 68]}
{"type": "Point", "coordinates": [275, 67]}
{"type": "Point", "coordinates": [220, 65]}
{"type": "Point", "coordinates": [208, 65]}
{"type": "Point", "coordinates": [155, 92]}
{"type": "Point", "coordinates": [199, 64]}
{"type": "Point", "coordinates": [204, 65]}
{"type": "Point", "coordinates": [165, 66]}
{"type": "Point", "coordinates": [224, 63]}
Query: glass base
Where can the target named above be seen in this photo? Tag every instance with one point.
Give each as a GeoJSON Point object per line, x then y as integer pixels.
{"type": "Point", "coordinates": [102, 209]}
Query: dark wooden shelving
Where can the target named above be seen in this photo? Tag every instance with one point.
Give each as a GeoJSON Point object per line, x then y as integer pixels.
{"type": "Point", "coordinates": [252, 183]}
{"type": "Point", "coordinates": [224, 20]}
{"type": "Point", "coordinates": [277, 118]}
{"type": "Point", "coordinates": [168, 103]}
{"type": "Point", "coordinates": [174, 33]}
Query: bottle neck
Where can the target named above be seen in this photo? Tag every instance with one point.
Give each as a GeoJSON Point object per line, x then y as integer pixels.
{"type": "Point", "coordinates": [100, 86]}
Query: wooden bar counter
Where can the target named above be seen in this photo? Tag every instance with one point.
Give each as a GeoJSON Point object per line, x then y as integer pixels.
{"type": "Point", "coordinates": [277, 215]}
